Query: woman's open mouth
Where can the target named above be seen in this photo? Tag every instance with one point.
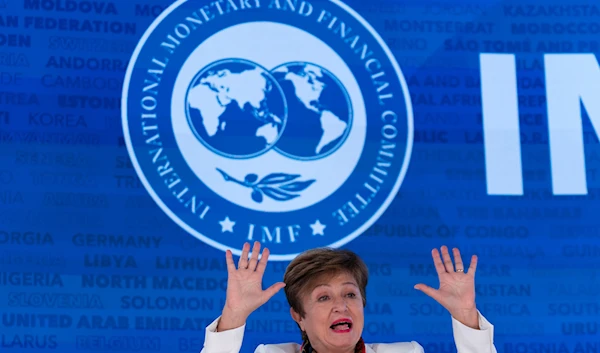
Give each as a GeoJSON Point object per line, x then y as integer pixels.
{"type": "Point", "coordinates": [341, 325]}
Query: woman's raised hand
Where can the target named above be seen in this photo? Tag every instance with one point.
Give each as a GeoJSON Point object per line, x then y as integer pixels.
{"type": "Point", "coordinates": [244, 287]}
{"type": "Point", "coordinates": [457, 286]}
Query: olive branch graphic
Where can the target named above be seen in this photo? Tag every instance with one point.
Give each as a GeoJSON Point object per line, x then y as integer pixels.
{"type": "Point", "coordinates": [278, 186]}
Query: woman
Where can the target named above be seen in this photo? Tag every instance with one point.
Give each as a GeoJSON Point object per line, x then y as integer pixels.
{"type": "Point", "coordinates": [326, 290]}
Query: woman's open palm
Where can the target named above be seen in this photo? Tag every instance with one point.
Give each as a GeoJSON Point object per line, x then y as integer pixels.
{"type": "Point", "coordinates": [457, 286]}
{"type": "Point", "coordinates": [244, 283]}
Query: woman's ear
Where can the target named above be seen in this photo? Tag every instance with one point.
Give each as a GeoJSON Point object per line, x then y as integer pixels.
{"type": "Point", "coordinates": [297, 317]}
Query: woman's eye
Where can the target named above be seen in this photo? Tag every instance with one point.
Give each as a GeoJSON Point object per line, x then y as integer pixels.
{"type": "Point", "coordinates": [323, 298]}
{"type": "Point", "coordinates": [351, 295]}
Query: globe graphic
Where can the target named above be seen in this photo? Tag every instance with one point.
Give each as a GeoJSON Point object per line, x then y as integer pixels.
{"type": "Point", "coordinates": [236, 108]}
{"type": "Point", "coordinates": [319, 111]}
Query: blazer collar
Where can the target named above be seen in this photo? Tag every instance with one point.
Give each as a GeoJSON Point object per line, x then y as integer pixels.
{"type": "Point", "coordinates": [368, 349]}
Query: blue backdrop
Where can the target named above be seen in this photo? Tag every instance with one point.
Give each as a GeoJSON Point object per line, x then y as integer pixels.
{"type": "Point", "coordinates": [485, 135]}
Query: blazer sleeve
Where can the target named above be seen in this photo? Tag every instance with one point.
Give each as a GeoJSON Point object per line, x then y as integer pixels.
{"type": "Point", "coordinates": [417, 348]}
{"type": "Point", "coordinates": [229, 341]}
{"type": "Point", "coordinates": [469, 340]}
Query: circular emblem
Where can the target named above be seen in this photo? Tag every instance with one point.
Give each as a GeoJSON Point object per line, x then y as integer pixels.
{"type": "Point", "coordinates": [283, 121]}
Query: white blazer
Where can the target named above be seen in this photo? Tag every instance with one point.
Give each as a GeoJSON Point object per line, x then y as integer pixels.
{"type": "Point", "coordinates": [467, 340]}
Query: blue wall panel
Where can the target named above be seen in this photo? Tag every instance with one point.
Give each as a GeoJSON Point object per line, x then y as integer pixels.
{"type": "Point", "coordinates": [476, 121]}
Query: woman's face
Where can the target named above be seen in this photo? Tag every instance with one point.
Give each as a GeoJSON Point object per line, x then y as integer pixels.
{"type": "Point", "coordinates": [334, 317]}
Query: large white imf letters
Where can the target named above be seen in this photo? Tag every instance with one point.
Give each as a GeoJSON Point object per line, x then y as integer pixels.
{"type": "Point", "coordinates": [571, 79]}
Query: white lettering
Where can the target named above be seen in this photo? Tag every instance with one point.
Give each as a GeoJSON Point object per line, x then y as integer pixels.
{"type": "Point", "coordinates": [501, 124]}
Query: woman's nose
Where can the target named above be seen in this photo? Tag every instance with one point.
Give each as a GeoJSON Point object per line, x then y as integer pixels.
{"type": "Point", "coordinates": [340, 304]}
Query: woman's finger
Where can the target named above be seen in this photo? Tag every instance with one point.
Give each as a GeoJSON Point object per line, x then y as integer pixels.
{"type": "Point", "coordinates": [458, 262]}
{"type": "Point", "coordinates": [433, 293]}
{"type": "Point", "coordinates": [243, 262]}
{"type": "Point", "coordinates": [447, 260]}
{"type": "Point", "coordinates": [437, 261]}
{"type": "Point", "coordinates": [262, 264]}
{"type": "Point", "coordinates": [254, 256]}
{"type": "Point", "coordinates": [229, 261]}
{"type": "Point", "coordinates": [272, 290]}
{"type": "Point", "coordinates": [473, 266]}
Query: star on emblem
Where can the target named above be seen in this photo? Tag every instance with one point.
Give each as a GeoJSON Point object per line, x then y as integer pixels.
{"type": "Point", "coordinates": [226, 225]}
{"type": "Point", "coordinates": [317, 228]}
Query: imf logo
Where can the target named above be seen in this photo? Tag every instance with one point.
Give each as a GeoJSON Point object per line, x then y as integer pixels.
{"type": "Point", "coordinates": [287, 122]}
